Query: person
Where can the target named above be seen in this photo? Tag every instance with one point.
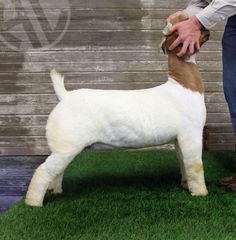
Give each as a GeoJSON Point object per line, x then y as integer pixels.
{"type": "Point", "coordinates": [207, 13]}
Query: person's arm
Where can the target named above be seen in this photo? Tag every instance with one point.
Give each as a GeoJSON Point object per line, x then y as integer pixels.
{"type": "Point", "coordinates": [216, 11]}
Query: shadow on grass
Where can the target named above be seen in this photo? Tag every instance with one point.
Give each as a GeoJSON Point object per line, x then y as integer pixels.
{"type": "Point", "coordinates": [74, 187]}
{"type": "Point", "coordinates": [145, 180]}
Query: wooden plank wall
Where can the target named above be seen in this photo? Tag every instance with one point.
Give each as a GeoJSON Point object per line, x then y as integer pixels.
{"type": "Point", "coordinates": [109, 44]}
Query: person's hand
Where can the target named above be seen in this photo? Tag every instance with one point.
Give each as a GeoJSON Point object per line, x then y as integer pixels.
{"type": "Point", "coordinates": [189, 35]}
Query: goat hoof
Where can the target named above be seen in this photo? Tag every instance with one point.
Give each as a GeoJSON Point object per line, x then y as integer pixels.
{"type": "Point", "coordinates": [33, 202]}
{"type": "Point", "coordinates": [200, 193]}
{"type": "Point", "coordinates": [57, 191]}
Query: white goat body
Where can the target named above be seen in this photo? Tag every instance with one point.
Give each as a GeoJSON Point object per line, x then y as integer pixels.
{"type": "Point", "coordinates": [126, 119]}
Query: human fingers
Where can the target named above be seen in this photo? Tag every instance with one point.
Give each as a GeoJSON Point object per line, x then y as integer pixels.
{"type": "Point", "coordinates": [173, 29]}
{"type": "Point", "coordinates": [184, 49]}
{"type": "Point", "coordinates": [197, 46]}
{"type": "Point", "coordinates": [191, 48]}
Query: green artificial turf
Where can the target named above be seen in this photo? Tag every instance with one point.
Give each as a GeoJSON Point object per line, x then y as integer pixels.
{"type": "Point", "coordinates": [129, 195]}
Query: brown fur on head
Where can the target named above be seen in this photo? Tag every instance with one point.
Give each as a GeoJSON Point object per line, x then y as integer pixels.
{"type": "Point", "coordinates": [168, 40]}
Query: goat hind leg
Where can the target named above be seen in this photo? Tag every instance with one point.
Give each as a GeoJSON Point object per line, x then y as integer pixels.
{"type": "Point", "coordinates": [56, 185]}
{"type": "Point", "coordinates": [54, 165]}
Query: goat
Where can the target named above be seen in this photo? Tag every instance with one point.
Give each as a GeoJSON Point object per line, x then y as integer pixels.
{"type": "Point", "coordinates": [174, 111]}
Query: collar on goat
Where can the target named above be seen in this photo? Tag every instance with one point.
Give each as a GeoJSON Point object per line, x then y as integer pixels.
{"type": "Point", "coordinates": [180, 69]}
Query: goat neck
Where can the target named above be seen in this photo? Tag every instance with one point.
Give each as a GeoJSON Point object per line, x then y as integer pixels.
{"type": "Point", "coordinates": [185, 72]}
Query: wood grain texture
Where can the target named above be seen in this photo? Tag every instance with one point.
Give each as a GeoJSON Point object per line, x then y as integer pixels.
{"type": "Point", "coordinates": [108, 45]}
{"type": "Point", "coordinates": [104, 4]}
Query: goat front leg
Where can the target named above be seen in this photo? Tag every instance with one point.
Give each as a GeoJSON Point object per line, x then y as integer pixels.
{"type": "Point", "coordinates": [195, 178]}
{"type": "Point", "coordinates": [191, 149]}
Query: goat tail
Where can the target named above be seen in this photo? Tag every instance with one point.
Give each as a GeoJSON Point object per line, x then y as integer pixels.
{"type": "Point", "coordinates": [58, 84]}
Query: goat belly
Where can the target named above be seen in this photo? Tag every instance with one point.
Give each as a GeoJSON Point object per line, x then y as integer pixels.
{"type": "Point", "coordinates": [140, 136]}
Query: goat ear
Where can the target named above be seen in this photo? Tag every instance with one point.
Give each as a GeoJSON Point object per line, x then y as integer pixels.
{"type": "Point", "coordinates": [163, 45]}
{"type": "Point", "coordinates": [167, 41]}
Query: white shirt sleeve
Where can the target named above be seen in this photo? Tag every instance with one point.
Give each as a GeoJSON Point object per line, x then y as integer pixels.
{"type": "Point", "coordinates": [211, 14]}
